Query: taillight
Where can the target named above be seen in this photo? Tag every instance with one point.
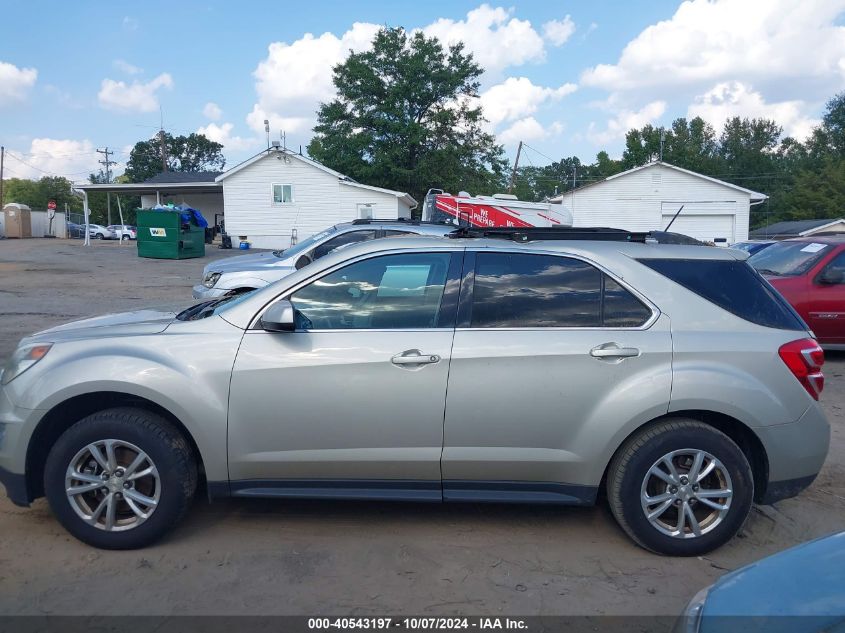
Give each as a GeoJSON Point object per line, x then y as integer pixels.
{"type": "Point", "coordinates": [805, 359]}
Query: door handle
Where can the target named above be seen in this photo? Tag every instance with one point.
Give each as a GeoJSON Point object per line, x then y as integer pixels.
{"type": "Point", "coordinates": [613, 351]}
{"type": "Point", "coordinates": [414, 357]}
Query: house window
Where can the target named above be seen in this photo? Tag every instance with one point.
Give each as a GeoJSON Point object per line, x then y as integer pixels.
{"type": "Point", "coordinates": [282, 194]}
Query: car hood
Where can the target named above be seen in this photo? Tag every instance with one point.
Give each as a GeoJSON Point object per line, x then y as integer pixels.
{"type": "Point", "coordinates": [804, 580]}
{"type": "Point", "coordinates": [139, 322]}
{"type": "Point", "coordinates": [255, 261]}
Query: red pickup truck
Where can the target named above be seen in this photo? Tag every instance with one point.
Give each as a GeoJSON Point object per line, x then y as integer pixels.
{"type": "Point", "coordinates": [810, 273]}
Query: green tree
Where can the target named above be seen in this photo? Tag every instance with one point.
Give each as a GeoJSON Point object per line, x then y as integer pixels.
{"type": "Point", "coordinates": [194, 152]}
{"type": "Point", "coordinates": [37, 193]}
{"type": "Point", "coordinates": [405, 117]}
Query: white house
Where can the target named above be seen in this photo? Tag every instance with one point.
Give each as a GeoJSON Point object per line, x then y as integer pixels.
{"type": "Point", "coordinates": [646, 198]}
{"type": "Point", "coordinates": [278, 196]}
{"type": "Point", "coordinates": [272, 199]}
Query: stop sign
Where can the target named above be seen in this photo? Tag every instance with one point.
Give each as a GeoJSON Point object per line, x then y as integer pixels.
{"type": "Point", "coordinates": [51, 205]}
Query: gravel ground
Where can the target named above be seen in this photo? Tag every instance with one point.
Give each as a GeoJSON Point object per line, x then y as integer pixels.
{"type": "Point", "coordinates": [283, 557]}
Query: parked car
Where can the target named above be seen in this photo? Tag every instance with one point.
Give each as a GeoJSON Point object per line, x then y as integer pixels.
{"type": "Point", "coordinates": [100, 232]}
{"type": "Point", "coordinates": [753, 246]}
{"type": "Point", "coordinates": [499, 369]}
{"type": "Point", "coordinates": [123, 231]}
{"type": "Point", "coordinates": [799, 590]}
{"type": "Point", "coordinates": [75, 230]}
{"type": "Point", "coordinates": [248, 272]}
{"type": "Point", "coordinates": [810, 273]}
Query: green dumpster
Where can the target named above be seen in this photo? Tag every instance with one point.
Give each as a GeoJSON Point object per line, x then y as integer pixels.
{"type": "Point", "coordinates": [163, 235]}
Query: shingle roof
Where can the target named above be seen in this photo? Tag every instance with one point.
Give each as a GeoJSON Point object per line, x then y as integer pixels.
{"type": "Point", "coordinates": [793, 228]}
{"type": "Point", "coordinates": [168, 177]}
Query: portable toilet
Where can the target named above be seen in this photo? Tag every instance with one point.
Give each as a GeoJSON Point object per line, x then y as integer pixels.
{"type": "Point", "coordinates": [17, 219]}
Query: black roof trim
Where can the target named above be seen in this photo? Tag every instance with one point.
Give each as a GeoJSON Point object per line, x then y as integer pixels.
{"type": "Point", "coordinates": [590, 233]}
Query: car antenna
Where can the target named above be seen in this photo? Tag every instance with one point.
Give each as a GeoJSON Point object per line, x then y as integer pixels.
{"type": "Point", "coordinates": [673, 218]}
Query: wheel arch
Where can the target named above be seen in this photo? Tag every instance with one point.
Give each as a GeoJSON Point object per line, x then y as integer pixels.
{"type": "Point", "coordinates": [65, 414]}
{"type": "Point", "coordinates": [739, 432]}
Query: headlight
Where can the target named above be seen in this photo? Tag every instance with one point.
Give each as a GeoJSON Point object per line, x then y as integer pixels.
{"type": "Point", "coordinates": [690, 621]}
{"type": "Point", "coordinates": [211, 279]}
{"type": "Point", "coordinates": [23, 358]}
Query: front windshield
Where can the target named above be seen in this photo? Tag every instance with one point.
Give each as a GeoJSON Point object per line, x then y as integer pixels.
{"type": "Point", "coordinates": [788, 259]}
{"type": "Point", "coordinates": [305, 244]}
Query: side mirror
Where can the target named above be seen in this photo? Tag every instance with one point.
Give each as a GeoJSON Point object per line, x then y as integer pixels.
{"type": "Point", "coordinates": [832, 276]}
{"type": "Point", "coordinates": [279, 317]}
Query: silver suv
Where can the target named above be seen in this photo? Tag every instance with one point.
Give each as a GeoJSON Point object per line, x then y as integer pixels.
{"type": "Point", "coordinates": [242, 273]}
{"type": "Point", "coordinates": [493, 366]}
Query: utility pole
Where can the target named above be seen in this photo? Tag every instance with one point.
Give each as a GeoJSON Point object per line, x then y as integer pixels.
{"type": "Point", "coordinates": [515, 166]}
{"type": "Point", "coordinates": [2, 158]}
{"type": "Point", "coordinates": [107, 163]}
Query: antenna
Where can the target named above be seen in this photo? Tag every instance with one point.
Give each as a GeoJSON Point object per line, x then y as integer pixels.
{"type": "Point", "coordinates": [673, 218]}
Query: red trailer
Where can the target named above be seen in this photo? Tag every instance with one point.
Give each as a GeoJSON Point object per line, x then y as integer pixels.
{"type": "Point", "coordinates": [497, 210]}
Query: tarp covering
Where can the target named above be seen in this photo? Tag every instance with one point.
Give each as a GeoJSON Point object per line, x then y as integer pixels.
{"type": "Point", "coordinates": [189, 214]}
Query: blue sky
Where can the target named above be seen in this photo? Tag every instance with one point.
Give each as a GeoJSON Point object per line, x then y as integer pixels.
{"type": "Point", "coordinates": [565, 77]}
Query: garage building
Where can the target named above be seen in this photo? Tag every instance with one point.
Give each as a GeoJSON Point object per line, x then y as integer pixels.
{"type": "Point", "coordinates": [646, 198]}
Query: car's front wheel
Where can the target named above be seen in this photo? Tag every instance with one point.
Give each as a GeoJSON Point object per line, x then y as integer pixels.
{"type": "Point", "coordinates": [120, 478]}
{"type": "Point", "coordinates": [680, 487]}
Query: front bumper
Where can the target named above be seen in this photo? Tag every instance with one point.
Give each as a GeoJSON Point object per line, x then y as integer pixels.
{"type": "Point", "coordinates": [206, 294]}
{"type": "Point", "coordinates": [796, 453]}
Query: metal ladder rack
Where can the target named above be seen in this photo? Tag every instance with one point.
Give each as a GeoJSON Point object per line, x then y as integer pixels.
{"type": "Point", "coordinates": [530, 234]}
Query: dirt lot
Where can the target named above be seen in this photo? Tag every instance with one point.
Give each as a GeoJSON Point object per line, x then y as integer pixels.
{"type": "Point", "coordinates": [305, 558]}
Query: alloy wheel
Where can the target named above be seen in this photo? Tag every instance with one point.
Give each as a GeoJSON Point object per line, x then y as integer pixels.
{"type": "Point", "coordinates": [686, 493]}
{"type": "Point", "coordinates": [113, 485]}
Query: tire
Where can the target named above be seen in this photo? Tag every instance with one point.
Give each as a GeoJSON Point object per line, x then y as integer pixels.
{"type": "Point", "coordinates": [631, 476]}
{"type": "Point", "coordinates": [171, 482]}
{"type": "Point", "coordinates": [124, 238]}
{"type": "Point", "coordinates": [99, 236]}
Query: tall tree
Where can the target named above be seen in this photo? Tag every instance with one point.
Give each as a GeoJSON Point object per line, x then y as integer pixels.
{"type": "Point", "coordinates": [194, 152]}
{"type": "Point", "coordinates": [405, 117]}
{"type": "Point", "coordinates": [37, 193]}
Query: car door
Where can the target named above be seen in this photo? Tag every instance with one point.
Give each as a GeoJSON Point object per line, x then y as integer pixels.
{"type": "Point", "coordinates": [552, 358]}
{"type": "Point", "coordinates": [351, 402]}
{"type": "Point", "coordinates": [826, 302]}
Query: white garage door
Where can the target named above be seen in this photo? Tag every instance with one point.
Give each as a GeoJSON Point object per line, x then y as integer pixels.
{"type": "Point", "coordinates": [709, 222]}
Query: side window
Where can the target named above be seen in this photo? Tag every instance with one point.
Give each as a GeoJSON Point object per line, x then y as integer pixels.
{"type": "Point", "coordinates": [834, 272]}
{"type": "Point", "coordinates": [529, 291]}
{"type": "Point", "coordinates": [620, 308]}
{"type": "Point", "coordinates": [282, 194]}
{"type": "Point", "coordinates": [388, 292]}
{"type": "Point", "coordinates": [342, 240]}
{"type": "Point", "coordinates": [397, 233]}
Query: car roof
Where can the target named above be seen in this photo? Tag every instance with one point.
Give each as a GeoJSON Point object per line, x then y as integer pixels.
{"type": "Point", "coordinates": [834, 238]}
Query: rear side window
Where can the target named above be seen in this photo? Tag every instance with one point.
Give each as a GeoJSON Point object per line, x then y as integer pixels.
{"type": "Point", "coordinates": [732, 285]}
{"type": "Point", "coordinates": [529, 291]}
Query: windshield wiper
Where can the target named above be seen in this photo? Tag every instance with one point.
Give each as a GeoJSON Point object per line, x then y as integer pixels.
{"type": "Point", "coordinates": [278, 253]}
{"type": "Point", "coordinates": [768, 271]}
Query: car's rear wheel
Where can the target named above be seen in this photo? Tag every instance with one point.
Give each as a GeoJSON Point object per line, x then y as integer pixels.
{"type": "Point", "coordinates": [120, 478]}
{"type": "Point", "coordinates": [680, 487]}
{"type": "Point", "coordinates": [99, 236]}
{"type": "Point", "coordinates": [124, 238]}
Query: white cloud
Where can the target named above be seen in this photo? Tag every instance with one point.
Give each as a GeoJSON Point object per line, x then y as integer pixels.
{"type": "Point", "coordinates": [223, 134]}
{"type": "Point", "coordinates": [295, 78]}
{"type": "Point", "coordinates": [137, 96]}
{"type": "Point", "coordinates": [495, 39]}
{"type": "Point", "coordinates": [730, 99]}
{"type": "Point", "coordinates": [125, 67]}
{"type": "Point", "coordinates": [706, 42]}
{"type": "Point", "coordinates": [61, 157]}
{"type": "Point", "coordinates": [517, 97]}
{"type": "Point", "coordinates": [15, 83]}
{"type": "Point", "coordinates": [624, 120]}
{"type": "Point", "coordinates": [212, 111]}
{"type": "Point", "coordinates": [558, 32]}
{"type": "Point", "coordinates": [529, 129]}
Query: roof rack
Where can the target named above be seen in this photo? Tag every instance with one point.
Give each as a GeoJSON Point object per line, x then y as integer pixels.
{"type": "Point", "coordinates": [529, 234]}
